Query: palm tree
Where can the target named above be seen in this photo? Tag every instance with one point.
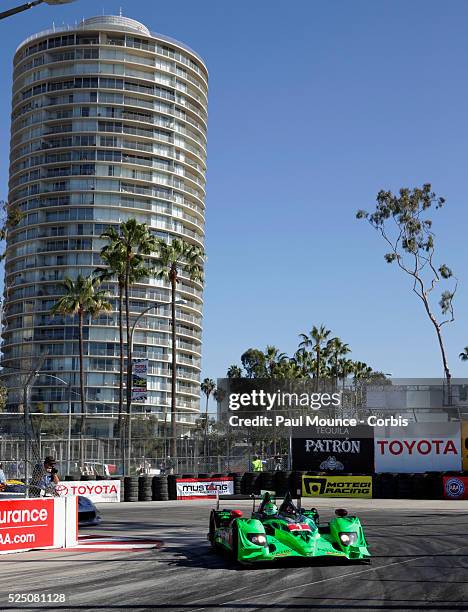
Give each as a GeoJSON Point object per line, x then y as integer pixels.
{"type": "Point", "coordinates": [81, 297]}
{"type": "Point", "coordinates": [305, 360]}
{"type": "Point", "coordinates": [316, 341]}
{"type": "Point", "coordinates": [345, 367]}
{"type": "Point", "coordinates": [464, 356]}
{"type": "Point", "coordinates": [208, 386]}
{"type": "Point", "coordinates": [114, 256]}
{"type": "Point", "coordinates": [272, 358]}
{"type": "Point", "coordinates": [131, 244]}
{"type": "Point", "coordinates": [234, 371]}
{"type": "Point", "coordinates": [336, 349]}
{"type": "Point", "coordinates": [178, 256]}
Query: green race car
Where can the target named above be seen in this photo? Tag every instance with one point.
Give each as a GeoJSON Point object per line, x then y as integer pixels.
{"type": "Point", "coordinates": [288, 531]}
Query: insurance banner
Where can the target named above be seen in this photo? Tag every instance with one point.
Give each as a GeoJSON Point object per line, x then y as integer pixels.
{"type": "Point", "coordinates": [204, 488]}
{"type": "Point", "coordinates": [95, 490]}
{"type": "Point", "coordinates": [419, 447]}
{"type": "Point", "coordinates": [337, 486]}
{"type": "Point", "coordinates": [140, 380]}
{"type": "Point", "coordinates": [26, 523]}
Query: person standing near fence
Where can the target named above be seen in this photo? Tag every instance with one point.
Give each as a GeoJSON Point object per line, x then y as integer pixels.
{"type": "Point", "coordinates": [2, 475]}
{"type": "Point", "coordinates": [257, 464]}
{"type": "Point", "coordinates": [44, 478]}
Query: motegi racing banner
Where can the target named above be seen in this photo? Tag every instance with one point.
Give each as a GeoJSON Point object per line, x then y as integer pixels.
{"type": "Point", "coordinates": [419, 447]}
{"type": "Point", "coordinates": [339, 450]}
{"type": "Point", "coordinates": [337, 486]}
{"type": "Point", "coordinates": [204, 488]}
{"type": "Point", "coordinates": [95, 490]}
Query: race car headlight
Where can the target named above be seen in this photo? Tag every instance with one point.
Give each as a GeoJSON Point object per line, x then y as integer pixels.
{"type": "Point", "coordinates": [349, 538]}
{"type": "Point", "coordinates": [257, 538]}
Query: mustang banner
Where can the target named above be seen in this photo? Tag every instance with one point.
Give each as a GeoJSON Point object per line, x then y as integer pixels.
{"type": "Point", "coordinates": [204, 488]}
{"type": "Point", "coordinates": [337, 486]}
{"type": "Point", "coordinates": [341, 450]}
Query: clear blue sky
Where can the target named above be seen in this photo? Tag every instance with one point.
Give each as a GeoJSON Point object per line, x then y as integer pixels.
{"type": "Point", "coordinates": [314, 106]}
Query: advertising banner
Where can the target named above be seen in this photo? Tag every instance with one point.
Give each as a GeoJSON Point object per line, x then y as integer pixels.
{"type": "Point", "coordinates": [140, 380]}
{"type": "Point", "coordinates": [455, 487]}
{"type": "Point", "coordinates": [419, 447]}
{"type": "Point", "coordinates": [204, 488]}
{"type": "Point", "coordinates": [319, 452]}
{"type": "Point", "coordinates": [464, 435]}
{"type": "Point", "coordinates": [95, 490]}
{"type": "Point", "coordinates": [26, 524]}
{"type": "Point", "coordinates": [337, 486]}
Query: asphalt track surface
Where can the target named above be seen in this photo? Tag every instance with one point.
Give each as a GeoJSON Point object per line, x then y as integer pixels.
{"type": "Point", "coordinates": [420, 562]}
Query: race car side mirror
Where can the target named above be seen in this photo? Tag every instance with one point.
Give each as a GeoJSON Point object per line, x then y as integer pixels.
{"type": "Point", "coordinates": [341, 512]}
{"type": "Point", "coordinates": [236, 514]}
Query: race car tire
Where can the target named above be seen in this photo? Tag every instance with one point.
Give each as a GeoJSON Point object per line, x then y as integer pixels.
{"type": "Point", "coordinates": [211, 531]}
{"type": "Point", "coordinates": [235, 541]}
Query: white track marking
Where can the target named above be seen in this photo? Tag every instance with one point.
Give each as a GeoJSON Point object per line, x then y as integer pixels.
{"type": "Point", "coordinates": [307, 584]}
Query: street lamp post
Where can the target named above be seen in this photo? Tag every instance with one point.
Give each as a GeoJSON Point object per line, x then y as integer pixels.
{"type": "Point", "coordinates": [130, 373]}
{"type": "Point", "coordinates": [28, 5]}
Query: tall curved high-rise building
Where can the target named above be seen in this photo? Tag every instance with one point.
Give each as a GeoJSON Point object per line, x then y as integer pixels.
{"type": "Point", "coordinates": [108, 123]}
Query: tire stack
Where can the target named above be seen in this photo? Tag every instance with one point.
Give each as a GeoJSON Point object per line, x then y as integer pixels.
{"type": "Point", "coordinates": [282, 482]}
{"type": "Point", "coordinates": [249, 482]}
{"type": "Point", "coordinates": [131, 488]}
{"type": "Point", "coordinates": [171, 485]}
{"type": "Point", "coordinates": [265, 482]}
{"type": "Point", "coordinates": [295, 482]}
{"type": "Point", "coordinates": [237, 480]}
{"type": "Point", "coordinates": [145, 488]}
{"type": "Point", "coordinates": [160, 488]}
{"type": "Point", "coordinates": [388, 486]}
{"type": "Point", "coordinates": [404, 484]}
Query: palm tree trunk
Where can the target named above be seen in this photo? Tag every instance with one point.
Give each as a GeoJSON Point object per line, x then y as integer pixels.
{"type": "Point", "coordinates": [173, 445]}
{"type": "Point", "coordinates": [129, 351]}
{"type": "Point", "coordinates": [206, 427]}
{"type": "Point", "coordinates": [82, 388]}
{"type": "Point", "coordinates": [120, 429]}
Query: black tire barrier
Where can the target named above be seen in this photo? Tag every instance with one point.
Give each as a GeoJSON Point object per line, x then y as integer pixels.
{"type": "Point", "coordinates": [131, 488]}
{"type": "Point", "coordinates": [145, 488]}
{"type": "Point", "coordinates": [69, 477]}
{"type": "Point", "coordinates": [281, 484]}
{"type": "Point", "coordinates": [237, 480]}
{"type": "Point", "coordinates": [404, 486]}
{"type": "Point", "coordinates": [203, 475]}
{"type": "Point", "coordinates": [295, 482]}
{"type": "Point", "coordinates": [266, 481]}
{"type": "Point", "coordinates": [160, 488]}
{"type": "Point", "coordinates": [249, 481]}
{"type": "Point", "coordinates": [171, 485]}
{"type": "Point", "coordinates": [86, 477]}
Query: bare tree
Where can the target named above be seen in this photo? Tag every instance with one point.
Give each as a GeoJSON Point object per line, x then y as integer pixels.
{"type": "Point", "coordinates": [403, 223]}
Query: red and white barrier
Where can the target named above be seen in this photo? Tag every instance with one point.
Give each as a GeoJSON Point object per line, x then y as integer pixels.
{"type": "Point", "coordinates": [26, 524]}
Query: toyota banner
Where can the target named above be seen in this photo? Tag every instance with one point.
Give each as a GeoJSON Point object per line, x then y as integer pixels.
{"type": "Point", "coordinates": [419, 447]}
